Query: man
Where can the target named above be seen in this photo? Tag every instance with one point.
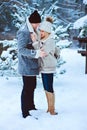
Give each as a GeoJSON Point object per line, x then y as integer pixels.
{"type": "Point", "coordinates": [28, 62]}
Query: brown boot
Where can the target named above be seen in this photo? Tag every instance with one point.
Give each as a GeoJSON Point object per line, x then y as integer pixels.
{"type": "Point", "coordinates": [47, 97]}
{"type": "Point", "coordinates": [51, 103]}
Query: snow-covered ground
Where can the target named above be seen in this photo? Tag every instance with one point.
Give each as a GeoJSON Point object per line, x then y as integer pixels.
{"type": "Point", "coordinates": [71, 99]}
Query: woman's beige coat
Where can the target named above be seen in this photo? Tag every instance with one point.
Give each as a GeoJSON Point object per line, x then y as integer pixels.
{"type": "Point", "coordinates": [48, 63]}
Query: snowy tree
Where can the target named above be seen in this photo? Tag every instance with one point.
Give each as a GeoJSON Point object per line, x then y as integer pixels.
{"type": "Point", "coordinates": [13, 14]}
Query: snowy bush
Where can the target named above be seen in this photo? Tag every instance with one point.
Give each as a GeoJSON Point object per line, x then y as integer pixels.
{"type": "Point", "coordinates": [81, 24]}
{"type": "Point", "coordinates": [8, 58]}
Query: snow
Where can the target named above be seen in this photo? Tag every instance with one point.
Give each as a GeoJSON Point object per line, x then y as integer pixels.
{"type": "Point", "coordinates": [70, 102]}
{"type": "Point", "coordinates": [85, 2]}
{"type": "Point", "coordinates": [80, 23]}
{"type": "Point", "coordinates": [64, 43]}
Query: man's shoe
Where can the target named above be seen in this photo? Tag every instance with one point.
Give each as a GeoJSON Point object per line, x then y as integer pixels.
{"type": "Point", "coordinates": [26, 114]}
{"type": "Point", "coordinates": [33, 108]}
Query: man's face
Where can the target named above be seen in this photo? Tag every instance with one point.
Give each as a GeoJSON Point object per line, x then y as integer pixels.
{"type": "Point", "coordinates": [35, 25]}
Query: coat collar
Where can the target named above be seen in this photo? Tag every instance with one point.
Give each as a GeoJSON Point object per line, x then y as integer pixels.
{"type": "Point", "coordinates": [30, 28]}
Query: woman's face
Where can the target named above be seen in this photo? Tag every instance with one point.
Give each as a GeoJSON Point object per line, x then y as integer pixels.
{"type": "Point", "coordinates": [43, 34]}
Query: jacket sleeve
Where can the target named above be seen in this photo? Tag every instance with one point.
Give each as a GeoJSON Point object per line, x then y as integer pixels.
{"type": "Point", "coordinates": [36, 45]}
{"type": "Point", "coordinates": [50, 46]}
{"type": "Point", "coordinates": [57, 52]}
{"type": "Point", "coordinates": [22, 38]}
{"type": "Point", "coordinates": [54, 50]}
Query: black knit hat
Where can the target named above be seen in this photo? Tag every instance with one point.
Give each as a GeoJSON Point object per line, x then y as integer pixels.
{"type": "Point", "coordinates": [35, 17]}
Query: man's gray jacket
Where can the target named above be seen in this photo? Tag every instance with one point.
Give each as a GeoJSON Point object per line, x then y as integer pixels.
{"type": "Point", "coordinates": [27, 63]}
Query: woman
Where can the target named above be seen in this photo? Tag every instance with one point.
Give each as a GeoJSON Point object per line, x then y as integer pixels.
{"type": "Point", "coordinates": [48, 63]}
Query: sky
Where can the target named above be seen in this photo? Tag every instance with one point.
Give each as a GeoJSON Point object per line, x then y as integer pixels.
{"type": "Point", "coordinates": [70, 99]}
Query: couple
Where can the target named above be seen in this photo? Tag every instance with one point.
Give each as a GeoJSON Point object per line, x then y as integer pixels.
{"type": "Point", "coordinates": [36, 45]}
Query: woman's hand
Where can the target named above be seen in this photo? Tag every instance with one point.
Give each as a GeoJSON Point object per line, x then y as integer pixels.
{"type": "Point", "coordinates": [33, 37]}
{"type": "Point", "coordinates": [43, 53]}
